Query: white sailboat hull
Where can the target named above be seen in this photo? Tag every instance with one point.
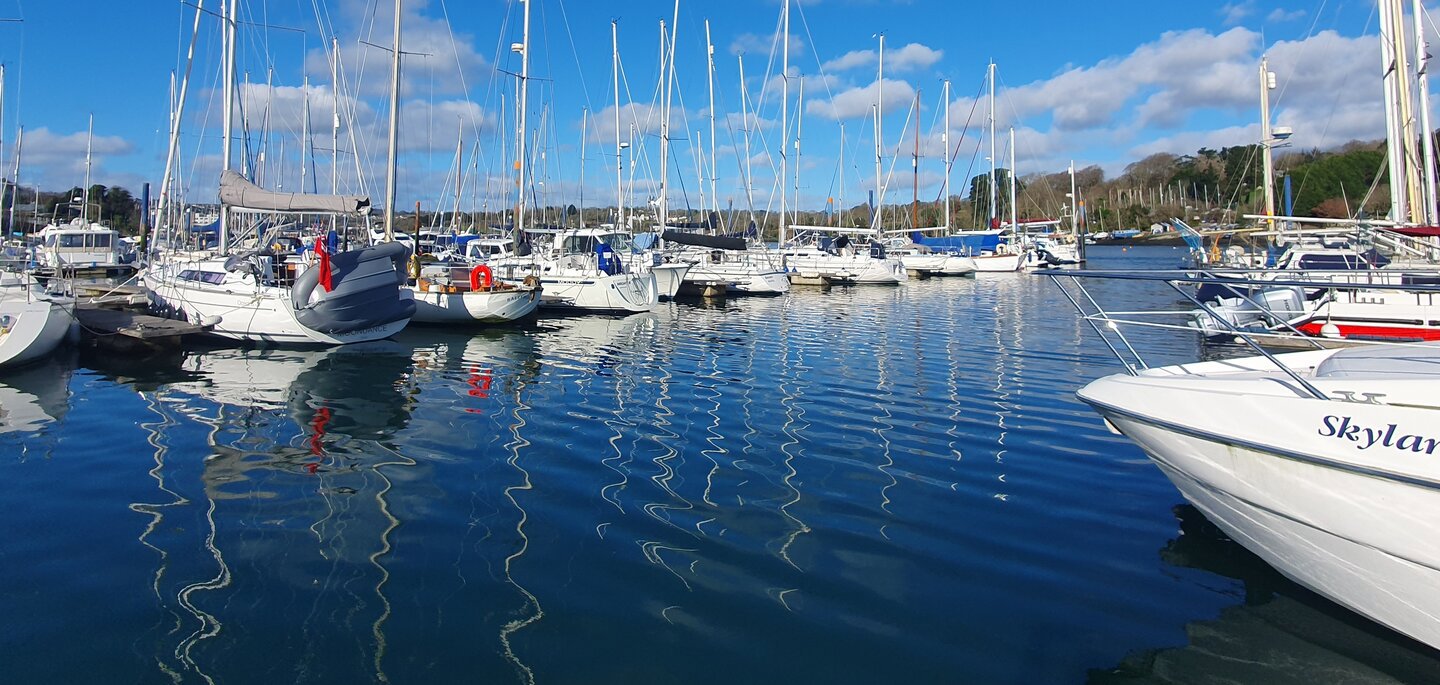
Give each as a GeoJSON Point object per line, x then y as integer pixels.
{"type": "Point", "coordinates": [999, 263]}
{"type": "Point", "coordinates": [1342, 497]}
{"type": "Point", "coordinates": [31, 330]}
{"type": "Point", "coordinates": [858, 269]}
{"type": "Point", "coordinates": [924, 263]}
{"type": "Point", "coordinates": [743, 278]}
{"type": "Point", "coordinates": [669, 277]}
{"type": "Point", "coordinates": [248, 312]}
{"type": "Point", "coordinates": [958, 265]}
{"type": "Point", "coordinates": [618, 293]}
{"type": "Point", "coordinates": [497, 306]}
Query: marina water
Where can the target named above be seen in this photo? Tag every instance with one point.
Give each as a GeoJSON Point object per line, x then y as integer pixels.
{"type": "Point", "coordinates": [854, 486]}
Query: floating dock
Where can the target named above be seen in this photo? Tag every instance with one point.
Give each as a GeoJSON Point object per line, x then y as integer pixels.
{"type": "Point", "coordinates": [130, 329]}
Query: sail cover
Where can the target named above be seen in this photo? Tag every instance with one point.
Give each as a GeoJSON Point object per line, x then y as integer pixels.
{"type": "Point", "coordinates": [237, 191]}
{"type": "Point", "coordinates": [712, 241]}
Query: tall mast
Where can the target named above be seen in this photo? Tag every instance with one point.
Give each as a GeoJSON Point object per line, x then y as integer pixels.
{"type": "Point", "coordinates": [1399, 210]}
{"type": "Point", "coordinates": [85, 203]}
{"type": "Point", "coordinates": [994, 194]}
{"type": "Point", "coordinates": [945, 141]}
{"type": "Point", "coordinates": [334, 124]}
{"type": "Point", "coordinates": [334, 118]}
{"type": "Point", "coordinates": [879, 132]}
{"type": "Point", "coordinates": [710, 70]}
{"type": "Point", "coordinates": [459, 173]}
{"type": "Point", "coordinates": [1074, 205]}
{"type": "Point", "coordinates": [745, 118]}
{"type": "Point", "coordinates": [915, 170]}
{"type": "Point", "coordinates": [15, 177]}
{"type": "Point", "coordinates": [619, 146]}
{"type": "Point", "coordinates": [1267, 84]}
{"type": "Point", "coordinates": [1406, 121]}
{"type": "Point", "coordinates": [1422, 100]}
{"type": "Point", "coordinates": [840, 204]}
{"type": "Point", "coordinates": [523, 102]}
{"type": "Point", "coordinates": [305, 137]}
{"type": "Point", "coordinates": [228, 120]}
{"type": "Point", "coordinates": [784, 112]}
{"type": "Point", "coordinates": [667, 89]}
{"type": "Point", "coordinates": [1014, 209]}
{"type": "Point", "coordinates": [584, 128]}
{"type": "Point", "coordinates": [172, 149]}
{"type": "Point", "coordinates": [2, 125]}
{"type": "Point", "coordinates": [799, 108]}
{"type": "Point", "coordinates": [390, 167]}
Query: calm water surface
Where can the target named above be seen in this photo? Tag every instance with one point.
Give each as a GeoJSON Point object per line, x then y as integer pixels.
{"type": "Point", "coordinates": [866, 485]}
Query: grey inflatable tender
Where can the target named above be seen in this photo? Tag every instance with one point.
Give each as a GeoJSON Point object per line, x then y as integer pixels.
{"type": "Point", "coordinates": [366, 295]}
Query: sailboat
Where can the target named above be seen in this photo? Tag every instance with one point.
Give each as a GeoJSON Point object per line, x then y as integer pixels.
{"type": "Point", "coordinates": [268, 293]}
{"type": "Point", "coordinates": [450, 295]}
{"type": "Point", "coordinates": [811, 256]}
{"type": "Point", "coordinates": [997, 248]}
{"type": "Point", "coordinates": [32, 322]}
{"type": "Point", "coordinates": [580, 269]}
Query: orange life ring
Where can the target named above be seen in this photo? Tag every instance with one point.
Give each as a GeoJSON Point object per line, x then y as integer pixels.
{"type": "Point", "coordinates": [475, 274]}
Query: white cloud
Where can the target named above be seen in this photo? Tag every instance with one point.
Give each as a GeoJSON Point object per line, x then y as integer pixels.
{"type": "Point", "coordinates": [907, 58]}
{"type": "Point", "coordinates": [1233, 13]}
{"type": "Point", "coordinates": [53, 160]}
{"type": "Point", "coordinates": [754, 43]}
{"type": "Point", "coordinates": [859, 101]}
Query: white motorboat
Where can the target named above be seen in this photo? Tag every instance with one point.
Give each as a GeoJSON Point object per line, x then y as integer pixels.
{"type": "Point", "coordinates": [32, 322]}
{"type": "Point", "coordinates": [1324, 463]}
{"type": "Point", "coordinates": [80, 244]}
{"type": "Point", "coordinates": [582, 271]}
{"type": "Point", "coordinates": [465, 294]}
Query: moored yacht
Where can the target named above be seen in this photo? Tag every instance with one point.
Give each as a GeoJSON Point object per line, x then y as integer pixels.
{"type": "Point", "coordinates": [1323, 462]}
{"type": "Point", "coordinates": [32, 322]}
{"type": "Point", "coordinates": [323, 296]}
{"type": "Point", "coordinates": [582, 270]}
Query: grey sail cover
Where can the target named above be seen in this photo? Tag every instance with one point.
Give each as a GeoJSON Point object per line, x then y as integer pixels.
{"type": "Point", "coordinates": [237, 191]}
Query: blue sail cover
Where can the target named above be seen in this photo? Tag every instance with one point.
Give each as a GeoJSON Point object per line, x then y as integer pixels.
{"type": "Point", "coordinates": [967, 243]}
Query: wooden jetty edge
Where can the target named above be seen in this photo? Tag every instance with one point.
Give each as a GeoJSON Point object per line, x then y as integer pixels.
{"type": "Point", "coordinates": [99, 322]}
{"type": "Point", "coordinates": [107, 316]}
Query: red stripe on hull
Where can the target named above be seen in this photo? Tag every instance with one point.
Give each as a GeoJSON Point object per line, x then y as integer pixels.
{"type": "Point", "coordinates": [1348, 330]}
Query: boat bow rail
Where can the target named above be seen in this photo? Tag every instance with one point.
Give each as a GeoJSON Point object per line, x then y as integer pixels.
{"type": "Point", "coordinates": [1117, 329]}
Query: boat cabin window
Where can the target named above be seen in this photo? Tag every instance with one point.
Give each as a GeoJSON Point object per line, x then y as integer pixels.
{"type": "Point", "coordinates": [211, 277]}
{"type": "Point", "coordinates": [1330, 262]}
{"type": "Point", "coordinates": [81, 240]}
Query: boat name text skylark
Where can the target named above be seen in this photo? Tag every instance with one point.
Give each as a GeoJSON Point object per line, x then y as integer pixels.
{"type": "Point", "coordinates": [1364, 437]}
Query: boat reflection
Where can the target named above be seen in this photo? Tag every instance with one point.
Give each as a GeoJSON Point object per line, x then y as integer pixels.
{"type": "Point", "coordinates": [1280, 633]}
{"type": "Point", "coordinates": [36, 395]}
{"type": "Point", "coordinates": [300, 459]}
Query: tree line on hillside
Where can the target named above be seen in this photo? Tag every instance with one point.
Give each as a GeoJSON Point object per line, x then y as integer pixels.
{"type": "Point", "coordinates": [115, 207]}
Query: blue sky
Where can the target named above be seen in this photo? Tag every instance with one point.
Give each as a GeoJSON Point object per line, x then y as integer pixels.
{"type": "Point", "coordinates": [1097, 83]}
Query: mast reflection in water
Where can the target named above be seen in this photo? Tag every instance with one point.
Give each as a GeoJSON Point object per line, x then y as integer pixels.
{"type": "Point", "coordinates": [864, 485]}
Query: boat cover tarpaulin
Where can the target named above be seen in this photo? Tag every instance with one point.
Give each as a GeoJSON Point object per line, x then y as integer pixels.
{"type": "Point", "coordinates": [237, 191]}
{"type": "Point", "coordinates": [718, 242]}
{"type": "Point", "coordinates": [975, 243]}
